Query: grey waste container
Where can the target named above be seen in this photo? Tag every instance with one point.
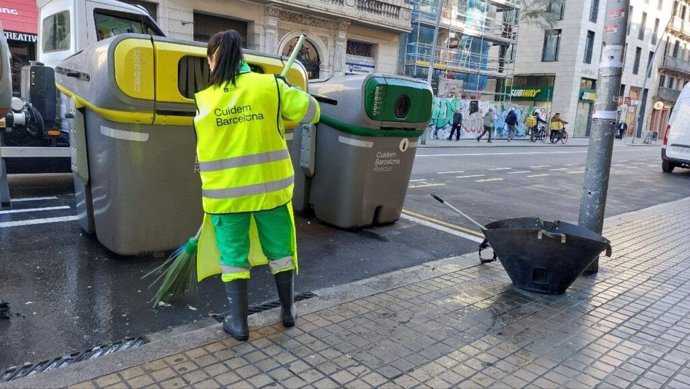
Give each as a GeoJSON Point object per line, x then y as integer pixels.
{"type": "Point", "coordinates": [354, 168]}
{"type": "Point", "coordinates": [129, 108]}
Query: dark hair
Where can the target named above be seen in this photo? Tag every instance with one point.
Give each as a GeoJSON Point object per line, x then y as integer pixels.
{"type": "Point", "coordinates": [228, 48]}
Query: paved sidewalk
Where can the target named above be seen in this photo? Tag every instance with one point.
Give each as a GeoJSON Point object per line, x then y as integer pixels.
{"type": "Point", "coordinates": [449, 323]}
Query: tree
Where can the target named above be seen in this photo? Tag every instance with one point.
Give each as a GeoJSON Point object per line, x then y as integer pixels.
{"type": "Point", "coordinates": [542, 13]}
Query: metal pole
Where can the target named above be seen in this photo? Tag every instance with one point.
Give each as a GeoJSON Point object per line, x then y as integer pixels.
{"type": "Point", "coordinates": [598, 166]}
{"type": "Point", "coordinates": [430, 73]}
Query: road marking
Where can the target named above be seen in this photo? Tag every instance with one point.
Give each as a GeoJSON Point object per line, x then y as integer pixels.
{"type": "Point", "coordinates": [537, 175]}
{"type": "Point", "coordinates": [558, 169]}
{"type": "Point", "coordinates": [491, 154]}
{"type": "Point", "coordinates": [540, 166]}
{"type": "Point", "coordinates": [472, 176]}
{"type": "Point", "coordinates": [418, 180]}
{"type": "Point", "coordinates": [34, 209]}
{"type": "Point", "coordinates": [455, 172]}
{"type": "Point", "coordinates": [576, 172]}
{"type": "Point", "coordinates": [520, 172]}
{"type": "Point", "coordinates": [39, 221]}
{"type": "Point", "coordinates": [440, 225]}
{"type": "Point", "coordinates": [570, 164]}
{"type": "Point", "coordinates": [500, 168]}
{"type": "Point", "coordinates": [34, 199]}
{"type": "Point", "coordinates": [489, 179]}
{"type": "Point", "coordinates": [424, 186]}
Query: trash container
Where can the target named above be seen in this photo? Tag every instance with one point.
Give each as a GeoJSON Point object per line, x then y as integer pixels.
{"type": "Point", "coordinates": [542, 256]}
{"type": "Point", "coordinates": [133, 146]}
{"type": "Point", "coordinates": [353, 169]}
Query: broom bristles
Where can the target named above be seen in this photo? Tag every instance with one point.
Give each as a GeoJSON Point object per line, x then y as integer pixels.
{"type": "Point", "coordinates": [177, 273]}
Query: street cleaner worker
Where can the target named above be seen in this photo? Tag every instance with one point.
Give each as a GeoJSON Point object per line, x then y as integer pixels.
{"type": "Point", "coordinates": [246, 172]}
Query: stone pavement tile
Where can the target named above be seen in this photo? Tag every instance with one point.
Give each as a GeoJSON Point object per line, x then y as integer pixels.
{"type": "Point", "coordinates": [83, 385]}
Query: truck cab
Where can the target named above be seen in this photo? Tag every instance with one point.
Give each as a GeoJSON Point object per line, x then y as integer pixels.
{"type": "Point", "coordinates": [68, 26]}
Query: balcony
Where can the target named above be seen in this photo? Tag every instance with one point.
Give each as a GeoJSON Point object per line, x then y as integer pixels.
{"type": "Point", "coordinates": [679, 27]}
{"type": "Point", "coordinates": [668, 94]}
{"type": "Point", "coordinates": [391, 15]}
{"type": "Point", "coordinates": [675, 65]}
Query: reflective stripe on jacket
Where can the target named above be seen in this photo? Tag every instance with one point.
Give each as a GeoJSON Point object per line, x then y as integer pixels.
{"type": "Point", "coordinates": [243, 157]}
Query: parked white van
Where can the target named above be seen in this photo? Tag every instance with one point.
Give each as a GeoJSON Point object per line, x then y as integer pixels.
{"type": "Point", "coordinates": [675, 151]}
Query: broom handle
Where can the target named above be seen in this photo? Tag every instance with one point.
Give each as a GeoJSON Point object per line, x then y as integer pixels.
{"type": "Point", "coordinates": [442, 201]}
{"type": "Point", "coordinates": [293, 55]}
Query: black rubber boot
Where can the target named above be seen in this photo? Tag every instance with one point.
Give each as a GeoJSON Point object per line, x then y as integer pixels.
{"type": "Point", "coordinates": [286, 295]}
{"type": "Point", "coordinates": [235, 322]}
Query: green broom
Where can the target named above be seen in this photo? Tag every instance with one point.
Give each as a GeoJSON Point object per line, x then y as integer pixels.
{"type": "Point", "coordinates": [177, 272]}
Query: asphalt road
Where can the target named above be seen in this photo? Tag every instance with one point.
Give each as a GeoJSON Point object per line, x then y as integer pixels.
{"type": "Point", "coordinates": [69, 294]}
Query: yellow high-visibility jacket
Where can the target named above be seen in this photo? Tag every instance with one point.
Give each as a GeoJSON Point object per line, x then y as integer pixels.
{"type": "Point", "coordinates": [243, 157]}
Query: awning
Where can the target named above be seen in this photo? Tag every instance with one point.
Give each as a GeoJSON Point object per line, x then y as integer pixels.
{"type": "Point", "coordinates": [19, 19]}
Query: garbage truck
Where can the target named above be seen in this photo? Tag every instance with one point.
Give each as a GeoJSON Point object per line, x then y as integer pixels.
{"type": "Point", "coordinates": [126, 95]}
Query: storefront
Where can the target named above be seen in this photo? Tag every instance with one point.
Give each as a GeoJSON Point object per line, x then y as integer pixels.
{"type": "Point", "coordinates": [19, 19]}
{"type": "Point", "coordinates": [583, 122]}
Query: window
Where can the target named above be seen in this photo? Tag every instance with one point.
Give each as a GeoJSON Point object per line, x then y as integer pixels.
{"type": "Point", "coordinates": [594, 11]}
{"type": "Point", "coordinates": [662, 81]}
{"type": "Point", "coordinates": [621, 92]}
{"type": "Point", "coordinates": [676, 47]}
{"type": "Point", "coordinates": [630, 16]}
{"type": "Point", "coordinates": [636, 64]}
{"type": "Point", "coordinates": [552, 41]}
{"type": "Point", "coordinates": [111, 23]}
{"type": "Point", "coordinates": [656, 31]}
{"type": "Point", "coordinates": [151, 8]}
{"type": "Point", "coordinates": [56, 32]}
{"type": "Point", "coordinates": [643, 25]}
{"type": "Point", "coordinates": [589, 45]}
{"type": "Point", "coordinates": [649, 64]}
{"type": "Point", "coordinates": [206, 25]}
{"type": "Point", "coordinates": [557, 8]}
{"type": "Point", "coordinates": [660, 5]}
{"type": "Point", "coordinates": [670, 82]}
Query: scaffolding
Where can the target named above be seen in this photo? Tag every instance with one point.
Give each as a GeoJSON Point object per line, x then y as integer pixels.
{"type": "Point", "coordinates": [475, 45]}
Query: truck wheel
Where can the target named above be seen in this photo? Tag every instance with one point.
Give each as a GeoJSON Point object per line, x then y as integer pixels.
{"type": "Point", "coordinates": [667, 166]}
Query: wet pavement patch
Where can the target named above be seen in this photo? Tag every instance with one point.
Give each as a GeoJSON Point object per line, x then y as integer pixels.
{"type": "Point", "coordinates": [29, 369]}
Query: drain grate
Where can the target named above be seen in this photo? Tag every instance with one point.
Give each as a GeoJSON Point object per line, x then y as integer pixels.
{"type": "Point", "coordinates": [265, 306]}
{"type": "Point", "coordinates": [28, 369]}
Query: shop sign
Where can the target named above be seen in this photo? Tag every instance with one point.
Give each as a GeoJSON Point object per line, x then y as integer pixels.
{"type": "Point", "coordinates": [536, 93]}
{"type": "Point", "coordinates": [21, 37]}
{"type": "Point", "coordinates": [359, 64]}
{"type": "Point", "coordinates": [589, 95]}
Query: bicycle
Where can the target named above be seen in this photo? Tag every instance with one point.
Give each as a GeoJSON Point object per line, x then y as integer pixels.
{"type": "Point", "coordinates": [561, 135]}
{"type": "Point", "coordinates": [537, 133]}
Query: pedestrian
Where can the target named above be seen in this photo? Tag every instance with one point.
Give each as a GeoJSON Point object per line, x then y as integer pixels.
{"type": "Point", "coordinates": [556, 125]}
{"type": "Point", "coordinates": [511, 122]}
{"type": "Point", "coordinates": [488, 124]}
{"type": "Point", "coordinates": [246, 172]}
{"type": "Point", "coordinates": [622, 128]}
{"type": "Point", "coordinates": [457, 124]}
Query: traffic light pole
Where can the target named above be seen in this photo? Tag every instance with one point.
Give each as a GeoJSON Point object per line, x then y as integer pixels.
{"type": "Point", "coordinates": [598, 166]}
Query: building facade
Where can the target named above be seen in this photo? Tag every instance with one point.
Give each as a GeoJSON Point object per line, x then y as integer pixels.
{"type": "Point", "coordinates": [473, 52]}
{"type": "Point", "coordinates": [558, 68]}
{"type": "Point", "coordinates": [673, 65]}
{"type": "Point", "coordinates": [342, 36]}
{"type": "Point", "coordinates": [563, 62]}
